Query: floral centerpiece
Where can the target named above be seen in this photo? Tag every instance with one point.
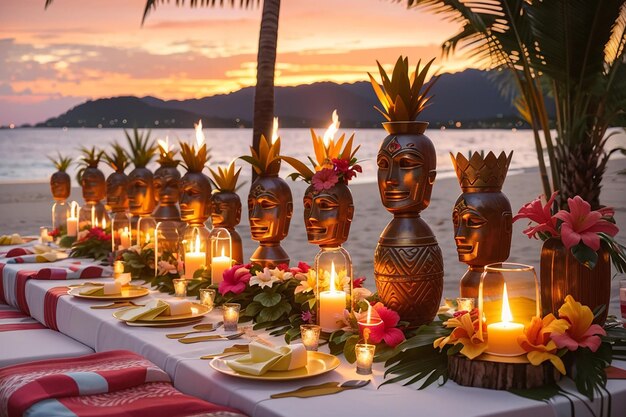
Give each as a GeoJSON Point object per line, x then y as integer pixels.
{"type": "Point", "coordinates": [94, 242]}
{"type": "Point", "coordinates": [579, 245]}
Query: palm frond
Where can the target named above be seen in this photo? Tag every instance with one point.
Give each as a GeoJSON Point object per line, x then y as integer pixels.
{"type": "Point", "coordinates": [61, 163]}
{"type": "Point", "coordinates": [142, 148]}
{"type": "Point", "coordinates": [117, 159]}
{"type": "Point", "coordinates": [152, 4]}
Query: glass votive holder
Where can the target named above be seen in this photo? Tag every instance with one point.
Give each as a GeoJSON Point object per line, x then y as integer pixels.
{"type": "Point", "coordinates": [465, 304]}
{"type": "Point", "coordinates": [118, 268]}
{"type": "Point", "coordinates": [180, 287]}
{"type": "Point", "coordinates": [364, 358]}
{"type": "Point", "coordinates": [43, 235]}
{"type": "Point", "coordinates": [207, 297]}
{"type": "Point", "coordinates": [310, 334]}
{"type": "Point", "coordinates": [231, 316]}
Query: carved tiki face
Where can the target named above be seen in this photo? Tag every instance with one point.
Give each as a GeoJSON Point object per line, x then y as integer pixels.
{"type": "Point", "coordinates": [270, 207]}
{"type": "Point", "coordinates": [60, 185]}
{"type": "Point", "coordinates": [195, 198]}
{"type": "Point", "coordinates": [226, 210]}
{"type": "Point", "coordinates": [406, 172]}
{"type": "Point", "coordinates": [117, 197]}
{"type": "Point", "coordinates": [167, 185]}
{"type": "Point", "coordinates": [482, 227]}
{"type": "Point", "coordinates": [140, 192]}
{"type": "Point", "coordinates": [328, 215]}
{"type": "Point", "coordinates": [93, 185]}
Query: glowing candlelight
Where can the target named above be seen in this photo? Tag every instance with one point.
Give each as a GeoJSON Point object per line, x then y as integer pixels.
{"type": "Point", "coordinates": [329, 135]}
{"type": "Point", "coordinates": [124, 238]}
{"type": "Point", "coordinates": [332, 305]}
{"type": "Point", "coordinates": [165, 145]}
{"type": "Point", "coordinates": [200, 140]}
{"type": "Point", "coordinates": [310, 334]}
{"type": "Point", "coordinates": [104, 223]}
{"type": "Point", "coordinates": [502, 336]}
{"type": "Point", "coordinates": [219, 265]}
{"type": "Point", "coordinates": [207, 297]}
{"type": "Point", "coordinates": [366, 326]}
{"type": "Point", "coordinates": [231, 316]}
{"type": "Point", "coordinates": [194, 259]}
{"type": "Point", "coordinates": [72, 219]}
{"type": "Point", "coordinates": [118, 268]}
{"type": "Point", "coordinates": [180, 287]}
{"type": "Point", "coordinates": [275, 130]}
{"type": "Point", "coordinates": [93, 217]}
{"type": "Point", "coordinates": [364, 358]}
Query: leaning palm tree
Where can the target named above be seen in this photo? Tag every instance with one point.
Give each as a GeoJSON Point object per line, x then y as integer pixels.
{"type": "Point", "coordinates": [572, 50]}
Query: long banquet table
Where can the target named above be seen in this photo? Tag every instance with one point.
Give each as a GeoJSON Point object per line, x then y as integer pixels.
{"type": "Point", "coordinates": [99, 330]}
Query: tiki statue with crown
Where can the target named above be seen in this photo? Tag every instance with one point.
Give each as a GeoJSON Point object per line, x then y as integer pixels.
{"type": "Point", "coordinates": [408, 265]}
{"type": "Point", "coordinates": [270, 204]}
{"type": "Point", "coordinates": [481, 216]}
{"type": "Point", "coordinates": [226, 206]}
{"type": "Point", "coordinates": [166, 184]}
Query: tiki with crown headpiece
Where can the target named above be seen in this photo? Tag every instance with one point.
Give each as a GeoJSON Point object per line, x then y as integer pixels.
{"type": "Point", "coordinates": [270, 204]}
{"type": "Point", "coordinates": [226, 206]}
{"type": "Point", "coordinates": [482, 216]}
{"type": "Point", "coordinates": [167, 183]}
{"type": "Point", "coordinates": [117, 182]}
{"type": "Point", "coordinates": [60, 186]}
{"type": "Point", "coordinates": [408, 265]}
{"type": "Point", "coordinates": [93, 184]}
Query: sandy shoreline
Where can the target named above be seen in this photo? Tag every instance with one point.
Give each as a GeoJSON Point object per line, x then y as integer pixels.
{"type": "Point", "coordinates": [26, 206]}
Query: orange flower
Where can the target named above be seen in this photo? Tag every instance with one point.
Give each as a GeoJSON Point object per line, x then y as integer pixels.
{"type": "Point", "coordinates": [581, 332]}
{"type": "Point", "coordinates": [465, 332]}
{"type": "Point", "coordinates": [537, 342]}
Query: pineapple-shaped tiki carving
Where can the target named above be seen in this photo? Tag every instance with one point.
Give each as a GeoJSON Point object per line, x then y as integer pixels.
{"type": "Point", "coordinates": [117, 182]}
{"type": "Point", "coordinates": [93, 184]}
{"type": "Point", "coordinates": [270, 204]}
{"type": "Point", "coordinates": [60, 186]}
{"type": "Point", "coordinates": [226, 206]}
{"type": "Point", "coordinates": [408, 265]}
{"type": "Point", "coordinates": [167, 184]}
{"type": "Point", "coordinates": [482, 217]}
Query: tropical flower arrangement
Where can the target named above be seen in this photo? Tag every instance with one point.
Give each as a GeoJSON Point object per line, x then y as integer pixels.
{"type": "Point", "coordinates": [333, 163]}
{"type": "Point", "coordinates": [582, 230]}
{"type": "Point", "coordinates": [93, 242]}
{"type": "Point", "coordinates": [575, 347]}
{"type": "Point", "coordinates": [139, 261]}
{"type": "Point", "coordinates": [281, 299]}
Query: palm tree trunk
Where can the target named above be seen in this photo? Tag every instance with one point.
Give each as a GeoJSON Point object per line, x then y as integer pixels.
{"type": "Point", "coordinates": [266, 62]}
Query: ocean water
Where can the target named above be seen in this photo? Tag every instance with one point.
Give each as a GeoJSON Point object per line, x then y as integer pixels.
{"type": "Point", "coordinates": [24, 152]}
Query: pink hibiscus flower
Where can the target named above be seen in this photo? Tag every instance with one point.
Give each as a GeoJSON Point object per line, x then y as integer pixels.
{"type": "Point", "coordinates": [324, 179]}
{"type": "Point", "coordinates": [581, 223]}
{"type": "Point", "coordinates": [358, 282]}
{"type": "Point", "coordinates": [235, 280]}
{"type": "Point", "coordinates": [581, 332]}
{"type": "Point", "coordinates": [540, 214]}
{"type": "Point", "coordinates": [341, 165]}
{"type": "Point", "coordinates": [388, 332]}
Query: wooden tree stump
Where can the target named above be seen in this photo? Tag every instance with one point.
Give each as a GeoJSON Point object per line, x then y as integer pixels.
{"type": "Point", "coordinates": [501, 373]}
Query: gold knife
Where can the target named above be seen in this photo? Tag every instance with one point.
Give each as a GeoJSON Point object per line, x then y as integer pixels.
{"type": "Point", "coordinates": [326, 388]}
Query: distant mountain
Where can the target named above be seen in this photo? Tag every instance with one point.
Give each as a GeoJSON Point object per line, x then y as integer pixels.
{"type": "Point", "coordinates": [127, 112]}
{"type": "Point", "coordinates": [469, 97]}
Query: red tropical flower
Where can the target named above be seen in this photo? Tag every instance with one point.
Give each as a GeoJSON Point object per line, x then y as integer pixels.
{"type": "Point", "coordinates": [235, 280]}
{"type": "Point", "coordinates": [388, 332]}
{"type": "Point", "coordinates": [540, 214]}
{"type": "Point", "coordinates": [581, 223]}
{"type": "Point", "coordinates": [324, 179]}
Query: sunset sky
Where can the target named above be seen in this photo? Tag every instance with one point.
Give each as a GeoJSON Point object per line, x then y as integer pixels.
{"type": "Point", "coordinates": [80, 49]}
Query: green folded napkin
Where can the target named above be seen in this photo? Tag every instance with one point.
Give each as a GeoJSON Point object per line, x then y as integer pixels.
{"type": "Point", "coordinates": [108, 288]}
{"type": "Point", "coordinates": [263, 358]}
{"type": "Point", "coordinates": [155, 308]}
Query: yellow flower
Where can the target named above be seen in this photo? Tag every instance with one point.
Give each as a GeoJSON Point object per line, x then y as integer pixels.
{"type": "Point", "coordinates": [537, 341]}
{"type": "Point", "coordinates": [581, 332]}
{"type": "Point", "coordinates": [465, 332]}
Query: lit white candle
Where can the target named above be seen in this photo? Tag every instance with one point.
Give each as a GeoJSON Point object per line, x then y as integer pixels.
{"type": "Point", "coordinates": [94, 221]}
{"type": "Point", "coordinates": [364, 358]}
{"type": "Point", "coordinates": [332, 305]}
{"type": "Point", "coordinates": [231, 316]}
{"type": "Point", "coordinates": [194, 259]}
{"type": "Point", "coordinates": [219, 265]}
{"type": "Point", "coordinates": [72, 220]}
{"type": "Point", "coordinates": [502, 336]}
{"type": "Point", "coordinates": [124, 238]}
{"type": "Point", "coordinates": [180, 287]}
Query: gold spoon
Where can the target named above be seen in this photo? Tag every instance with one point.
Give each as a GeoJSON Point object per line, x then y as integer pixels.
{"type": "Point", "coordinates": [198, 328]}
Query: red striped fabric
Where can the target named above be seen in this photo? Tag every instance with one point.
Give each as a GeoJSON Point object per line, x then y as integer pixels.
{"type": "Point", "coordinates": [2, 284]}
{"type": "Point", "coordinates": [8, 314]}
{"type": "Point", "coordinates": [18, 252]}
{"type": "Point", "coordinates": [50, 303]}
{"type": "Point", "coordinates": [21, 326]}
{"type": "Point", "coordinates": [20, 289]}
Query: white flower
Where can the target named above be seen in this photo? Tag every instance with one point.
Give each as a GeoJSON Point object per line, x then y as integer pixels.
{"type": "Point", "coordinates": [264, 279]}
{"type": "Point", "coordinates": [360, 294]}
{"type": "Point", "coordinates": [281, 275]}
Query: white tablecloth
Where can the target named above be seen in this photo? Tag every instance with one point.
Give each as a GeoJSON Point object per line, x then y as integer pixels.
{"type": "Point", "coordinates": [99, 330]}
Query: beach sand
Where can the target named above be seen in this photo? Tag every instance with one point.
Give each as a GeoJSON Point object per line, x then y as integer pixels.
{"type": "Point", "coordinates": [26, 207]}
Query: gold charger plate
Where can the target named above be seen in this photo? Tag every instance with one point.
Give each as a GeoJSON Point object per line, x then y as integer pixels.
{"type": "Point", "coordinates": [134, 291]}
{"type": "Point", "coordinates": [318, 363]}
{"type": "Point", "coordinates": [197, 311]}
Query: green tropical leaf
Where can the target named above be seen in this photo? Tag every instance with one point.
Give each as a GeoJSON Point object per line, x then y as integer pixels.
{"type": "Point", "coordinates": [590, 373]}
{"type": "Point", "coordinates": [267, 298]}
{"type": "Point", "coordinates": [585, 255]}
{"type": "Point", "coordinates": [272, 314]}
{"type": "Point", "coordinates": [349, 348]}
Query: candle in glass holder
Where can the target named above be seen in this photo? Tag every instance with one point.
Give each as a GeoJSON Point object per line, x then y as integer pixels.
{"type": "Point", "coordinates": [219, 265]}
{"type": "Point", "coordinates": [194, 259]}
{"type": "Point", "coordinates": [207, 297]}
{"type": "Point", "coordinates": [124, 238]}
{"type": "Point", "coordinates": [332, 305]}
{"type": "Point", "coordinates": [231, 316]}
{"type": "Point", "coordinates": [43, 235]}
{"type": "Point", "coordinates": [502, 336]}
{"type": "Point", "coordinates": [118, 268]}
{"type": "Point", "coordinates": [369, 323]}
{"type": "Point", "coordinates": [364, 358]}
{"type": "Point", "coordinates": [180, 287]}
{"type": "Point", "coordinates": [310, 334]}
